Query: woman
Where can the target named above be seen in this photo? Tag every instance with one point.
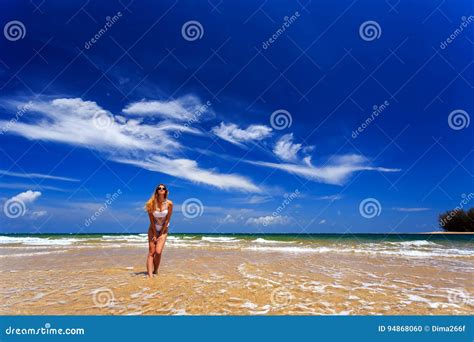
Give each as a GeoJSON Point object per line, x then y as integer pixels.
{"type": "Point", "coordinates": [159, 209]}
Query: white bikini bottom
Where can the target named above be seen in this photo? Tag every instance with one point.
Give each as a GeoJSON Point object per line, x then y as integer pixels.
{"type": "Point", "coordinates": [158, 227]}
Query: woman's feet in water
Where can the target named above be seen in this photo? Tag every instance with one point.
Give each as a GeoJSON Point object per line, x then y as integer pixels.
{"type": "Point", "coordinates": [152, 275]}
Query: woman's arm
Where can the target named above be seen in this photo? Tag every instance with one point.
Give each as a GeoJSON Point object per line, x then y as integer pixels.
{"type": "Point", "coordinates": [152, 225]}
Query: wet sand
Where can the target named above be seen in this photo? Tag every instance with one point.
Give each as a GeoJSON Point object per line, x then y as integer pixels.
{"type": "Point", "coordinates": [222, 279]}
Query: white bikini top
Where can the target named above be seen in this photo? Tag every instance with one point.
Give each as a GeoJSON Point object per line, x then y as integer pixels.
{"type": "Point", "coordinates": [160, 214]}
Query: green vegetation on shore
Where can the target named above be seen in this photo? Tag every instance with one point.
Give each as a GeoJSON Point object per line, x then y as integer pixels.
{"type": "Point", "coordinates": [457, 220]}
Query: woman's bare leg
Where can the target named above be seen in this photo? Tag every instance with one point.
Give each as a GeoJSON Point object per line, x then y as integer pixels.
{"type": "Point", "coordinates": [158, 252]}
{"type": "Point", "coordinates": [156, 262]}
{"type": "Point", "coordinates": [149, 260]}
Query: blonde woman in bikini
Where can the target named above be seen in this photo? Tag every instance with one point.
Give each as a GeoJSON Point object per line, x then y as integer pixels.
{"type": "Point", "coordinates": [159, 209]}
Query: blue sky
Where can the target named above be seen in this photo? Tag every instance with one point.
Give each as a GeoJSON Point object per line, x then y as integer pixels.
{"type": "Point", "coordinates": [94, 116]}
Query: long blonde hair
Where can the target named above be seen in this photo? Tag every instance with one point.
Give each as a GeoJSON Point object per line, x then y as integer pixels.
{"type": "Point", "coordinates": [150, 205]}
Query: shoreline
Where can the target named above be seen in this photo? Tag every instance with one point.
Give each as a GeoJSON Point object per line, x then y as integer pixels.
{"type": "Point", "coordinates": [450, 233]}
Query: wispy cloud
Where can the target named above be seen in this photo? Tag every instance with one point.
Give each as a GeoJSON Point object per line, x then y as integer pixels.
{"type": "Point", "coordinates": [336, 171]}
{"type": "Point", "coordinates": [86, 124]}
{"type": "Point", "coordinates": [189, 169]}
{"type": "Point", "coordinates": [269, 220]}
{"type": "Point", "coordinates": [329, 198]}
{"type": "Point", "coordinates": [286, 149]}
{"type": "Point", "coordinates": [256, 199]}
{"type": "Point", "coordinates": [238, 136]}
{"type": "Point", "coordinates": [36, 175]}
{"type": "Point", "coordinates": [38, 214]}
{"type": "Point", "coordinates": [181, 109]}
{"type": "Point", "coordinates": [411, 210]}
{"type": "Point", "coordinates": [29, 186]}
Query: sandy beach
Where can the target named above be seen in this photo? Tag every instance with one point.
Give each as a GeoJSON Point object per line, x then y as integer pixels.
{"type": "Point", "coordinates": [222, 275]}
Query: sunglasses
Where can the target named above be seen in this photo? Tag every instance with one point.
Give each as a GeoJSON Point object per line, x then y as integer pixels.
{"type": "Point", "coordinates": [161, 188]}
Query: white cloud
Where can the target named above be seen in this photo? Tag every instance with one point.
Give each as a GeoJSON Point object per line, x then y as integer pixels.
{"type": "Point", "coordinates": [329, 197]}
{"type": "Point", "coordinates": [269, 220]}
{"type": "Point", "coordinates": [257, 199]}
{"type": "Point", "coordinates": [227, 219]}
{"type": "Point", "coordinates": [84, 123]}
{"type": "Point", "coordinates": [235, 135]}
{"type": "Point", "coordinates": [323, 221]}
{"type": "Point", "coordinates": [410, 210]}
{"type": "Point", "coordinates": [27, 196]}
{"type": "Point", "coordinates": [21, 186]}
{"type": "Point", "coordinates": [38, 214]}
{"type": "Point", "coordinates": [336, 171]}
{"type": "Point", "coordinates": [285, 148]}
{"type": "Point", "coordinates": [182, 109]}
{"type": "Point", "coordinates": [36, 175]}
{"type": "Point", "coordinates": [188, 169]}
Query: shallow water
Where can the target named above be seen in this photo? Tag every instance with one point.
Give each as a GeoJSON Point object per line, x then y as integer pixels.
{"type": "Point", "coordinates": [241, 274]}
